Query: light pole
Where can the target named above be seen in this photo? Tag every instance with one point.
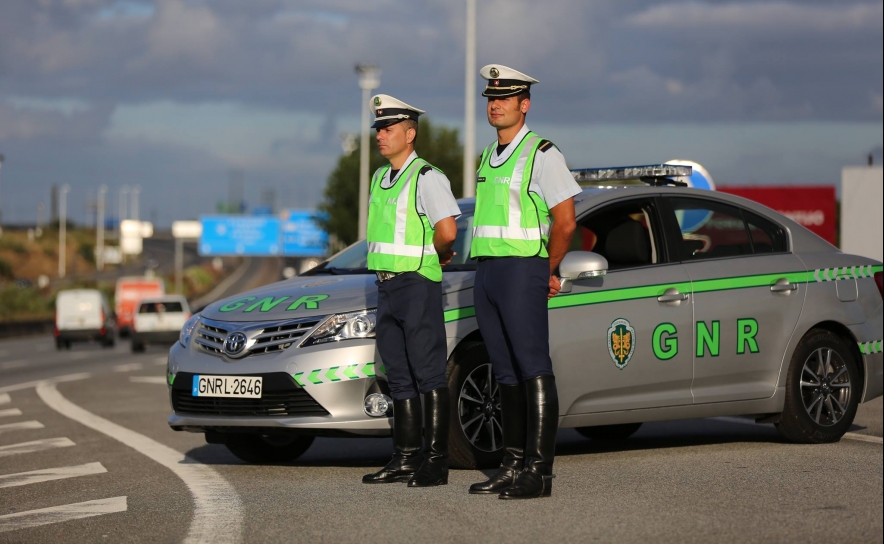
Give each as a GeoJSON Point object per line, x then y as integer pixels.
{"type": "Point", "coordinates": [369, 80]}
{"type": "Point", "coordinates": [469, 114]}
{"type": "Point", "coordinates": [99, 229]}
{"type": "Point", "coordinates": [1, 201]}
{"type": "Point", "coordinates": [134, 210]}
{"type": "Point", "coordinates": [63, 229]}
{"type": "Point", "coordinates": [121, 210]}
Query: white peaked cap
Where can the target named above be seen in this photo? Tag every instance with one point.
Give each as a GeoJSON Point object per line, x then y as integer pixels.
{"type": "Point", "coordinates": [503, 81]}
{"type": "Point", "coordinates": [389, 110]}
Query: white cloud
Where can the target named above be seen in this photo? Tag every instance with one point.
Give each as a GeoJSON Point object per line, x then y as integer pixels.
{"type": "Point", "coordinates": [770, 15]}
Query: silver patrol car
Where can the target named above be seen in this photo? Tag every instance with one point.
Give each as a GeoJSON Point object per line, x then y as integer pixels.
{"type": "Point", "coordinates": [676, 303]}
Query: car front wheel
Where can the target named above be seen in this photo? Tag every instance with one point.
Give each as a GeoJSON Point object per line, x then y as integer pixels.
{"type": "Point", "coordinates": [268, 449]}
{"type": "Point", "coordinates": [822, 390]}
{"type": "Point", "coordinates": [476, 435]}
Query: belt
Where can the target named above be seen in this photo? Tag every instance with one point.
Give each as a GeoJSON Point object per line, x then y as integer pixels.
{"type": "Point", "coordinates": [387, 276]}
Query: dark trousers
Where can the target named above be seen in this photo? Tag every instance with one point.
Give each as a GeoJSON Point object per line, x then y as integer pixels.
{"type": "Point", "coordinates": [411, 335]}
{"type": "Point", "coordinates": [511, 308]}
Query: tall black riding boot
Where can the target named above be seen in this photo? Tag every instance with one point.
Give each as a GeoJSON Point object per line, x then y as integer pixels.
{"type": "Point", "coordinates": [406, 444]}
{"type": "Point", "coordinates": [535, 480]}
{"type": "Point", "coordinates": [434, 469]}
{"type": "Point", "coordinates": [513, 424]}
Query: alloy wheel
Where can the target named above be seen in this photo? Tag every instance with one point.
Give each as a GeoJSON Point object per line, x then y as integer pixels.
{"type": "Point", "coordinates": [825, 387]}
{"type": "Point", "coordinates": [478, 409]}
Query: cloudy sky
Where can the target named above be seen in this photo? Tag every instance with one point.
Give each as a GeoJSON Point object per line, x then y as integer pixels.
{"type": "Point", "coordinates": [171, 95]}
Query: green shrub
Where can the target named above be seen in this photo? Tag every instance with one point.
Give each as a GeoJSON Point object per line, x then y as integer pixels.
{"type": "Point", "coordinates": [87, 251]}
{"type": "Point", "coordinates": [28, 302]}
{"type": "Point", "coordinates": [5, 269]}
{"type": "Point", "coordinates": [13, 245]}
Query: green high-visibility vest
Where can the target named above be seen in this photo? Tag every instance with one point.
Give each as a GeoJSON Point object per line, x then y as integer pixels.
{"type": "Point", "coordinates": [399, 238]}
{"type": "Point", "coordinates": [510, 220]}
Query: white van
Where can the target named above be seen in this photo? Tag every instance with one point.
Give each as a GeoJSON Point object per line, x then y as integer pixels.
{"type": "Point", "coordinates": [83, 315]}
{"type": "Point", "coordinates": [158, 320]}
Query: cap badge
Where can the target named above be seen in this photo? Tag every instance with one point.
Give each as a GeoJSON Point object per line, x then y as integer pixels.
{"type": "Point", "coordinates": [377, 101]}
{"type": "Point", "coordinates": [380, 112]}
{"type": "Point", "coordinates": [494, 72]}
{"type": "Point", "coordinates": [496, 82]}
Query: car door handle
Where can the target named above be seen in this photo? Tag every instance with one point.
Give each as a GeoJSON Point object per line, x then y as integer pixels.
{"type": "Point", "coordinates": [672, 296]}
{"type": "Point", "coordinates": [783, 287]}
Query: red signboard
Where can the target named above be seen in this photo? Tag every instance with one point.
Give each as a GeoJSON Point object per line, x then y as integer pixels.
{"type": "Point", "coordinates": [812, 207]}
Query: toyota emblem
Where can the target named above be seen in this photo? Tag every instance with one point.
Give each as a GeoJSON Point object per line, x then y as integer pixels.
{"type": "Point", "coordinates": [235, 343]}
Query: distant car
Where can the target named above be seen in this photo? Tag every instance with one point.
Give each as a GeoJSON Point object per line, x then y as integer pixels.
{"type": "Point", "coordinates": [83, 315]}
{"type": "Point", "coordinates": [676, 303]}
{"type": "Point", "coordinates": [129, 291]}
{"type": "Point", "coordinates": [158, 321]}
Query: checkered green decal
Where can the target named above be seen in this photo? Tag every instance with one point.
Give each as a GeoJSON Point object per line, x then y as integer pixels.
{"type": "Point", "coordinates": [845, 273]}
{"type": "Point", "coordinates": [170, 378]}
{"type": "Point", "coordinates": [339, 374]}
{"type": "Point", "coordinates": [870, 347]}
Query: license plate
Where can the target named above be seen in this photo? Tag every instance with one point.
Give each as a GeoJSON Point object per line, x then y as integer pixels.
{"type": "Point", "coordinates": [227, 386]}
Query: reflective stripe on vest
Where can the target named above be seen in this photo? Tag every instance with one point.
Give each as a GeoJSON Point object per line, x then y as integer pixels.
{"type": "Point", "coordinates": [524, 229]}
{"type": "Point", "coordinates": [400, 239]}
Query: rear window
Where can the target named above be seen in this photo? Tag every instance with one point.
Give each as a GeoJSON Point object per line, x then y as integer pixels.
{"type": "Point", "coordinates": [711, 230]}
{"type": "Point", "coordinates": [157, 307]}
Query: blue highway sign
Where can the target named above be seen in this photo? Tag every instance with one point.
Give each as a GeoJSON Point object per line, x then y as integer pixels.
{"type": "Point", "coordinates": [240, 235]}
{"type": "Point", "coordinates": [302, 236]}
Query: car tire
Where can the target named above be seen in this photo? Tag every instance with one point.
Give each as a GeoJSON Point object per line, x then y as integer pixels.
{"type": "Point", "coordinates": [479, 450]}
{"type": "Point", "coordinates": [137, 347]}
{"type": "Point", "coordinates": [268, 449]}
{"type": "Point", "coordinates": [823, 387]}
{"type": "Point", "coordinates": [609, 432]}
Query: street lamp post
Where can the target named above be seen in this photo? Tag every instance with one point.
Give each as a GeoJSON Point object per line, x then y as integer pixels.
{"type": "Point", "coordinates": [99, 229]}
{"type": "Point", "coordinates": [469, 121]}
{"type": "Point", "coordinates": [62, 229]}
{"type": "Point", "coordinates": [369, 80]}
{"type": "Point", "coordinates": [134, 207]}
{"type": "Point", "coordinates": [121, 210]}
{"type": "Point", "coordinates": [1, 201]}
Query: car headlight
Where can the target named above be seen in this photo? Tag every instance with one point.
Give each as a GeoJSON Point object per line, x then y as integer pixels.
{"type": "Point", "coordinates": [187, 330]}
{"type": "Point", "coordinates": [347, 326]}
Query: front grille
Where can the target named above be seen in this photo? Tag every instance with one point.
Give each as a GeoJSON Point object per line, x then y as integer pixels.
{"type": "Point", "coordinates": [262, 337]}
{"type": "Point", "coordinates": [281, 396]}
{"type": "Point", "coordinates": [211, 338]}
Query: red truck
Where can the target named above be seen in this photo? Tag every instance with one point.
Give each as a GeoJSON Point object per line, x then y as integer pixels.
{"type": "Point", "coordinates": [129, 292]}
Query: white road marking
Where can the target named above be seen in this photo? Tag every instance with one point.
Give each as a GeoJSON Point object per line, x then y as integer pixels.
{"type": "Point", "coordinates": [18, 363]}
{"type": "Point", "coordinates": [35, 446]}
{"type": "Point", "coordinates": [9, 412]}
{"type": "Point", "coordinates": [20, 426]}
{"type": "Point", "coordinates": [29, 385]}
{"type": "Point", "coordinates": [161, 361]}
{"type": "Point", "coordinates": [849, 436]}
{"type": "Point", "coordinates": [130, 367]}
{"type": "Point", "coordinates": [217, 512]}
{"type": "Point", "coordinates": [58, 514]}
{"type": "Point", "coordinates": [48, 474]}
{"type": "Point", "coordinates": [78, 356]}
{"type": "Point", "coordinates": [4, 398]}
{"type": "Point", "coordinates": [160, 380]}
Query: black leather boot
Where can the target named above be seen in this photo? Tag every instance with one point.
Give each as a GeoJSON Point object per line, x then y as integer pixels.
{"type": "Point", "coordinates": [535, 480]}
{"type": "Point", "coordinates": [434, 469]}
{"type": "Point", "coordinates": [513, 423]}
{"type": "Point", "coordinates": [406, 444]}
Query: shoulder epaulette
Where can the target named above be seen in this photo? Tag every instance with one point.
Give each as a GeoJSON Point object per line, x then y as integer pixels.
{"type": "Point", "coordinates": [428, 168]}
{"type": "Point", "coordinates": [545, 145]}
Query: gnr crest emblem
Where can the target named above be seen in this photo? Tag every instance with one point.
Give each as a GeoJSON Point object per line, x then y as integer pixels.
{"type": "Point", "coordinates": [621, 342]}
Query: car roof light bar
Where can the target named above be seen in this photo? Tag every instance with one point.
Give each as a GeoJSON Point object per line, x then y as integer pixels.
{"type": "Point", "coordinates": [652, 174]}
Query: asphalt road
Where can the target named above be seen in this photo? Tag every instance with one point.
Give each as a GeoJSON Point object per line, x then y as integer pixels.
{"type": "Point", "coordinates": [90, 426]}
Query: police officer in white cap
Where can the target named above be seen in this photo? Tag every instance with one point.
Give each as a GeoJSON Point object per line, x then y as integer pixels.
{"type": "Point", "coordinates": [411, 231]}
{"type": "Point", "coordinates": [522, 228]}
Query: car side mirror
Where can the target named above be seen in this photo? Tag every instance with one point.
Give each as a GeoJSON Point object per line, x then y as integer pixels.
{"type": "Point", "coordinates": [578, 265]}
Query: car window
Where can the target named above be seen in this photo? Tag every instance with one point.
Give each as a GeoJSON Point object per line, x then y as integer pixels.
{"type": "Point", "coordinates": [624, 233]}
{"type": "Point", "coordinates": [711, 230]}
{"type": "Point", "coordinates": [767, 237]}
{"type": "Point", "coordinates": [353, 260]}
{"type": "Point", "coordinates": [157, 307]}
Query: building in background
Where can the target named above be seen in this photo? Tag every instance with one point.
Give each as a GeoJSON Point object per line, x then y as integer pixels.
{"type": "Point", "coordinates": [862, 211]}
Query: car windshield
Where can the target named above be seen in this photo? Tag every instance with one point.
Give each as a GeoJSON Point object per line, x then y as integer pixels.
{"type": "Point", "coordinates": [353, 259]}
{"type": "Point", "coordinates": [157, 307]}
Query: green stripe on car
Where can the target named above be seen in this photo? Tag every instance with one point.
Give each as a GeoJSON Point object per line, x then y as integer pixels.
{"type": "Point", "coordinates": [868, 348]}
{"type": "Point", "coordinates": [701, 286]}
{"type": "Point", "coordinates": [334, 374]}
